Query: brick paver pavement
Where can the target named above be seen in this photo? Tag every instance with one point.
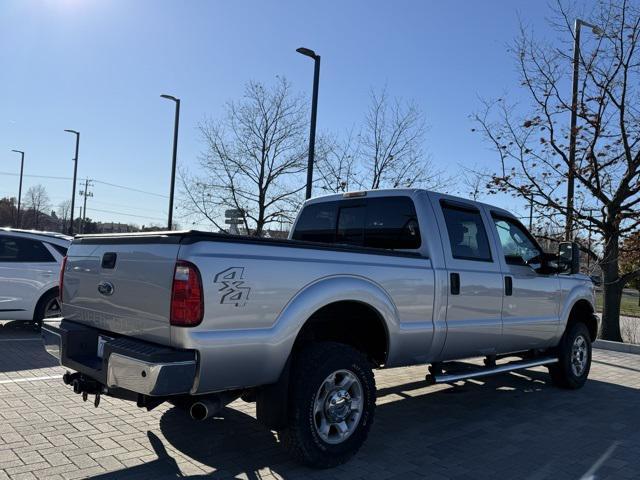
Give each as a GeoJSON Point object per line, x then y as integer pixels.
{"type": "Point", "coordinates": [509, 426]}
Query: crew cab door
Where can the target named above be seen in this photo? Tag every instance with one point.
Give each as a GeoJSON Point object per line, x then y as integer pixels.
{"type": "Point", "coordinates": [530, 311]}
{"type": "Point", "coordinates": [474, 303]}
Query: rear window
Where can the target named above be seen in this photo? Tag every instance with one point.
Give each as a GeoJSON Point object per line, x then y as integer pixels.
{"type": "Point", "coordinates": [14, 249]}
{"type": "Point", "coordinates": [317, 223]}
{"type": "Point", "coordinates": [385, 222]}
{"type": "Point", "coordinates": [392, 223]}
{"type": "Point", "coordinates": [351, 225]}
{"type": "Point", "coordinates": [60, 249]}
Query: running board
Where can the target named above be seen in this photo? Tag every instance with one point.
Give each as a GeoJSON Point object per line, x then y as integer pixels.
{"type": "Point", "coordinates": [486, 371]}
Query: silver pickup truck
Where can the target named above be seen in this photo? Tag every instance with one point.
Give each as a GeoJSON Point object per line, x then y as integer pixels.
{"type": "Point", "coordinates": [366, 280]}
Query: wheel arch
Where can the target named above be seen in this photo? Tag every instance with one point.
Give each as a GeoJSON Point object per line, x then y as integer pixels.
{"type": "Point", "coordinates": [366, 330]}
{"type": "Point", "coordinates": [583, 311]}
{"type": "Point", "coordinates": [41, 299]}
{"type": "Point", "coordinates": [320, 308]}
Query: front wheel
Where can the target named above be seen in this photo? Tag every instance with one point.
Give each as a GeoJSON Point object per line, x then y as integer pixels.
{"type": "Point", "coordinates": [574, 358]}
{"type": "Point", "coordinates": [332, 404]}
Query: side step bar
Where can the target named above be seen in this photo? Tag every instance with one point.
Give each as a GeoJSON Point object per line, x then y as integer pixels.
{"type": "Point", "coordinates": [440, 377]}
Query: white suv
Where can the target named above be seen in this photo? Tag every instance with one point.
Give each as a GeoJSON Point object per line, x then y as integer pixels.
{"type": "Point", "coordinates": [29, 273]}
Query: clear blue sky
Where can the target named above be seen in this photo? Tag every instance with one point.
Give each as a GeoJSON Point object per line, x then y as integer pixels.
{"type": "Point", "coordinates": [100, 66]}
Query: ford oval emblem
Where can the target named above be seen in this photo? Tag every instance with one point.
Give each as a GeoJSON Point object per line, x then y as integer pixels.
{"type": "Point", "coordinates": [105, 288]}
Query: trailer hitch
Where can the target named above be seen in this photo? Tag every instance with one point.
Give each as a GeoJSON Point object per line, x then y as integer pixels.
{"type": "Point", "coordinates": [84, 386]}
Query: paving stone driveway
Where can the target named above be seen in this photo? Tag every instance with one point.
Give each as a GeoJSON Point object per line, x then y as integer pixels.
{"type": "Point", "coordinates": [510, 426]}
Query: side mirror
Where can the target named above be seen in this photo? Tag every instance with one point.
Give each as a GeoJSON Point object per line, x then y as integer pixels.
{"type": "Point", "coordinates": [569, 257]}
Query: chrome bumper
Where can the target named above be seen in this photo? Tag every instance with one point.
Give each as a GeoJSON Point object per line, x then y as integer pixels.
{"type": "Point", "coordinates": [52, 342]}
{"type": "Point", "coordinates": [150, 378]}
{"type": "Point", "coordinates": [126, 363]}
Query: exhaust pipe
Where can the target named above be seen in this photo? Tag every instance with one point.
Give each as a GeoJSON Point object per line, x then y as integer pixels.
{"type": "Point", "coordinates": [205, 408]}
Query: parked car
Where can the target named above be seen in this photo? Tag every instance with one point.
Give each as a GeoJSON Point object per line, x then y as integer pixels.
{"type": "Point", "coordinates": [29, 272]}
{"type": "Point", "coordinates": [367, 280]}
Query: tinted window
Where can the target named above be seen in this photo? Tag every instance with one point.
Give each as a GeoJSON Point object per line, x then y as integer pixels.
{"type": "Point", "coordinates": [61, 250]}
{"type": "Point", "coordinates": [351, 225]}
{"type": "Point", "coordinates": [516, 244]}
{"type": "Point", "coordinates": [13, 249]}
{"type": "Point", "coordinates": [467, 235]}
{"type": "Point", "coordinates": [392, 223]}
{"type": "Point", "coordinates": [317, 223]}
{"type": "Point", "coordinates": [388, 222]}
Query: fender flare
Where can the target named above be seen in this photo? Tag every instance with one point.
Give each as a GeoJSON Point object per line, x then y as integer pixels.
{"type": "Point", "coordinates": [332, 289]}
{"type": "Point", "coordinates": [577, 294]}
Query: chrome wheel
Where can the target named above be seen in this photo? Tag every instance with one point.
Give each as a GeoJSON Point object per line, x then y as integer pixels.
{"type": "Point", "coordinates": [579, 355]}
{"type": "Point", "coordinates": [52, 308]}
{"type": "Point", "coordinates": [338, 406]}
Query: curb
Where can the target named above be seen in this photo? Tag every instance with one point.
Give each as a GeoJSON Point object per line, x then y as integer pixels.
{"type": "Point", "coordinates": [617, 346]}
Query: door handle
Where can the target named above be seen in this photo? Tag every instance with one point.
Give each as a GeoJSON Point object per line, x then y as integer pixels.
{"type": "Point", "coordinates": [508, 286]}
{"type": "Point", "coordinates": [455, 283]}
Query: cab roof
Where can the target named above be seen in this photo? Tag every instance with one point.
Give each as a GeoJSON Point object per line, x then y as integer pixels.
{"type": "Point", "coordinates": [411, 192]}
{"type": "Point", "coordinates": [38, 233]}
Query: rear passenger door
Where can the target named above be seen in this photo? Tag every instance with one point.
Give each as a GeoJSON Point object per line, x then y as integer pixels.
{"type": "Point", "coordinates": [474, 307]}
{"type": "Point", "coordinates": [26, 266]}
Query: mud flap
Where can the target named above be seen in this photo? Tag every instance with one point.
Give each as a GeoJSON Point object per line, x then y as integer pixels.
{"type": "Point", "coordinates": [272, 402]}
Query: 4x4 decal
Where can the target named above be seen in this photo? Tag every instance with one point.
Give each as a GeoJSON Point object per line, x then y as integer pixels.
{"type": "Point", "coordinates": [232, 286]}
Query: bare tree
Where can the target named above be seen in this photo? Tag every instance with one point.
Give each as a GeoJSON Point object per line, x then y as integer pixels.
{"type": "Point", "coordinates": [37, 202]}
{"type": "Point", "coordinates": [336, 166]}
{"type": "Point", "coordinates": [64, 212]}
{"type": "Point", "coordinates": [472, 183]}
{"type": "Point", "coordinates": [386, 153]}
{"type": "Point", "coordinates": [391, 145]}
{"type": "Point", "coordinates": [532, 140]}
{"type": "Point", "coordinates": [252, 160]}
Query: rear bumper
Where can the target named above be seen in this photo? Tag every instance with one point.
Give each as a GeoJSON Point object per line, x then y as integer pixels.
{"type": "Point", "coordinates": [127, 364]}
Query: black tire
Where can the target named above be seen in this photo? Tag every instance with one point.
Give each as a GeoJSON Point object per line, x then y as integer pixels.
{"type": "Point", "coordinates": [310, 370]}
{"type": "Point", "coordinates": [41, 307]}
{"type": "Point", "coordinates": [563, 374]}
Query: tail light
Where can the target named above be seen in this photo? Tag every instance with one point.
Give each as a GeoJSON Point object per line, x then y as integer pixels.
{"type": "Point", "coordinates": [61, 282]}
{"type": "Point", "coordinates": [187, 305]}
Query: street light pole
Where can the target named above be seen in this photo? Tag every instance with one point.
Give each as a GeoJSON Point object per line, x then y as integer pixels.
{"type": "Point", "coordinates": [314, 111]}
{"type": "Point", "coordinates": [175, 155]}
{"type": "Point", "coordinates": [20, 186]}
{"type": "Point", "coordinates": [574, 120]}
{"type": "Point", "coordinates": [75, 174]}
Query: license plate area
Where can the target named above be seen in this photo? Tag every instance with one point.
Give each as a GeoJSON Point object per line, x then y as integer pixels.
{"type": "Point", "coordinates": [102, 341]}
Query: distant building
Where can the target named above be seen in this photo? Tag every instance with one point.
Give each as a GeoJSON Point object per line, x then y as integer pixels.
{"type": "Point", "coordinates": [113, 227]}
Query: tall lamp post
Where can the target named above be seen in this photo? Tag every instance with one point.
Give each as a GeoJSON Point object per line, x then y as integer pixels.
{"type": "Point", "coordinates": [314, 111]}
{"type": "Point", "coordinates": [20, 186]}
{"type": "Point", "coordinates": [175, 154]}
{"type": "Point", "coordinates": [574, 117]}
{"type": "Point", "coordinates": [75, 174]}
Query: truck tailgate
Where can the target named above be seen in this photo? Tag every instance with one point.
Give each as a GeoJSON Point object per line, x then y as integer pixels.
{"type": "Point", "coordinates": [121, 286]}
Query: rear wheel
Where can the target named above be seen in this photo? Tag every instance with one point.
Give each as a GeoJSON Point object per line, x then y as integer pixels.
{"type": "Point", "coordinates": [574, 358]}
{"type": "Point", "coordinates": [48, 307]}
{"type": "Point", "coordinates": [332, 404]}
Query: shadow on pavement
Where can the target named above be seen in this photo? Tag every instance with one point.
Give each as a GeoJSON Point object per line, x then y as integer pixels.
{"type": "Point", "coordinates": [21, 348]}
{"type": "Point", "coordinates": [509, 426]}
